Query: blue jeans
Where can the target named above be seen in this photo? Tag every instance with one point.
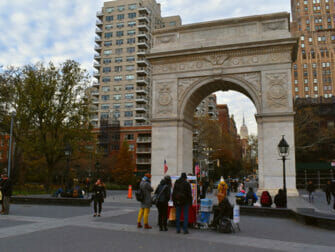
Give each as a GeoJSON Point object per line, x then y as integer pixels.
{"type": "Point", "coordinates": [178, 213]}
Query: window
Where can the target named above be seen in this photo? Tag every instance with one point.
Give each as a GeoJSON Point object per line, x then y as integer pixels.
{"type": "Point", "coordinates": [310, 40]}
{"type": "Point", "coordinates": [116, 105]}
{"type": "Point", "coordinates": [306, 81]}
{"type": "Point", "coordinates": [315, 81]}
{"type": "Point", "coordinates": [119, 42]}
{"type": "Point", "coordinates": [130, 77]}
{"type": "Point", "coordinates": [109, 18]}
{"type": "Point", "coordinates": [107, 52]}
{"type": "Point", "coordinates": [120, 25]}
{"type": "Point", "coordinates": [117, 88]}
{"type": "Point", "coordinates": [109, 27]}
{"type": "Point", "coordinates": [118, 68]}
{"type": "Point", "coordinates": [118, 78]}
{"type": "Point", "coordinates": [105, 106]}
{"type": "Point", "coordinates": [108, 34]}
{"type": "Point", "coordinates": [132, 15]}
{"type": "Point", "coordinates": [128, 113]}
{"type": "Point", "coordinates": [119, 33]}
{"type": "Point", "coordinates": [315, 88]}
{"type": "Point", "coordinates": [129, 96]}
{"type": "Point", "coordinates": [129, 87]}
{"type": "Point", "coordinates": [332, 37]}
{"type": "Point", "coordinates": [129, 105]}
{"type": "Point", "coordinates": [131, 41]}
{"type": "Point", "coordinates": [302, 45]}
{"type": "Point", "coordinates": [128, 123]}
{"type": "Point", "coordinates": [121, 8]}
{"type": "Point", "coordinates": [295, 81]}
{"type": "Point", "coordinates": [104, 115]}
{"type": "Point", "coordinates": [117, 97]}
{"type": "Point", "coordinates": [129, 137]}
{"type": "Point", "coordinates": [120, 16]}
{"type": "Point", "coordinates": [130, 49]}
{"type": "Point", "coordinates": [118, 59]}
{"type": "Point", "coordinates": [131, 23]}
{"type": "Point", "coordinates": [305, 66]}
{"type": "Point", "coordinates": [314, 65]}
{"type": "Point", "coordinates": [172, 23]}
{"type": "Point", "coordinates": [116, 114]}
{"type": "Point", "coordinates": [108, 43]}
{"type": "Point", "coordinates": [105, 97]}
{"type": "Point", "coordinates": [306, 89]}
{"type": "Point", "coordinates": [296, 89]}
{"type": "Point", "coordinates": [106, 79]}
{"type": "Point", "coordinates": [130, 68]}
{"type": "Point", "coordinates": [131, 32]}
{"type": "Point", "coordinates": [132, 6]}
{"type": "Point", "coordinates": [302, 38]}
{"type": "Point", "coordinates": [118, 50]}
{"type": "Point", "coordinates": [106, 70]}
{"type": "Point", "coordinates": [107, 60]}
{"type": "Point", "coordinates": [131, 147]}
{"type": "Point", "coordinates": [109, 9]}
{"type": "Point", "coordinates": [130, 58]}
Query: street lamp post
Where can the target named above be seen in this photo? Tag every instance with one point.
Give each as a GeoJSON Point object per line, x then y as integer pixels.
{"type": "Point", "coordinates": [283, 150]}
{"type": "Point", "coordinates": [10, 143]}
{"type": "Point", "coordinates": [67, 151]}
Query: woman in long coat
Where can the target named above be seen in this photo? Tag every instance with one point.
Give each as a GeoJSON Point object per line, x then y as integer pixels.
{"type": "Point", "coordinates": [146, 203]}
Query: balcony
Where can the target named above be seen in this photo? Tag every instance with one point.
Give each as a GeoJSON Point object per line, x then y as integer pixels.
{"type": "Point", "coordinates": [95, 93]}
{"type": "Point", "coordinates": [211, 106]}
{"type": "Point", "coordinates": [97, 48]}
{"type": "Point", "coordinates": [96, 84]}
{"type": "Point", "coordinates": [98, 23]}
{"type": "Point", "coordinates": [143, 18]}
{"type": "Point", "coordinates": [143, 140]}
{"type": "Point", "coordinates": [141, 117]}
{"type": "Point", "coordinates": [143, 161]}
{"type": "Point", "coordinates": [95, 101]}
{"type": "Point", "coordinates": [142, 26]}
{"type": "Point", "coordinates": [143, 35]}
{"type": "Point", "coordinates": [98, 31]}
{"type": "Point", "coordinates": [142, 44]}
{"type": "Point", "coordinates": [142, 71]}
{"type": "Point", "coordinates": [144, 10]}
{"type": "Point", "coordinates": [97, 40]}
{"type": "Point", "coordinates": [211, 113]}
{"type": "Point", "coordinates": [141, 52]}
{"type": "Point", "coordinates": [141, 99]}
{"type": "Point", "coordinates": [141, 90]}
{"type": "Point", "coordinates": [97, 57]}
{"type": "Point", "coordinates": [142, 62]}
{"type": "Point", "coordinates": [143, 150]}
{"type": "Point", "coordinates": [94, 119]}
{"type": "Point", "coordinates": [142, 81]}
{"type": "Point", "coordinates": [96, 65]}
{"type": "Point", "coordinates": [142, 124]}
{"type": "Point", "coordinates": [141, 108]}
{"type": "Point", "coordinates": [96, 75]}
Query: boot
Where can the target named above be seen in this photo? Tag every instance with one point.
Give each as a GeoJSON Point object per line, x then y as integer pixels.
{"type": "Point", "coordinates": [139, 225]}
{"type": "Point", "coordinates": [160, 228]}
{"type": "Point", "coordinates": [147, 226]}
{"type": "Point", "coordinates": [165, 228]}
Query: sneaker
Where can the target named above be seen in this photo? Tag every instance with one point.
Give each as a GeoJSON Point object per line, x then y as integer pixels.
{"type": "Point", "coordinates": [147, 226]}
{"type": "Point", "coordinates": [98, 215]}
{"type": "Point", "coordinates": [139, 225]}
{"type": "Point", "coordinates": [95, 215]}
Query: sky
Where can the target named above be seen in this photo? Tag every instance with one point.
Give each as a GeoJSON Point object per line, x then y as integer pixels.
{"type": "Point", "coordinates": [57, 30]}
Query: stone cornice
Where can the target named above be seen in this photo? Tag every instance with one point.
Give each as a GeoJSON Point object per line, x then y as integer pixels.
{"type": "Point", "coordinates": [229, 21]}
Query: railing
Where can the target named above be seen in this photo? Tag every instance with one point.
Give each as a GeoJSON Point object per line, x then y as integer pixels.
{"type": "Point", "coordinates": [143, 161]}
{"type": "Point", "coordinates": [143, 150]}
{"type": "Point", "coordinates": [143, 140]}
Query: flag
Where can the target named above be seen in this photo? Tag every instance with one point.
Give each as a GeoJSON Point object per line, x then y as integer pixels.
{"type": "Point", "coordinates": [165, 167]}
{"type": "Point", "coordinates": [197, 169]}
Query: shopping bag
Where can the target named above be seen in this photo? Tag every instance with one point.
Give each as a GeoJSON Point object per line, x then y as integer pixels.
{"type": "Point", "coordinates": [172, 215]}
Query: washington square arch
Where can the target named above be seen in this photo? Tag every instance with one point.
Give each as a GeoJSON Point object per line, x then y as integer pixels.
{"type": "Point", "coordinates": [251, 55]}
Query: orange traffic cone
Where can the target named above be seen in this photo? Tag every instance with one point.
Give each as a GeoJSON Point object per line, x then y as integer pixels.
{"type": "Point", "coordinates": [130, 192]}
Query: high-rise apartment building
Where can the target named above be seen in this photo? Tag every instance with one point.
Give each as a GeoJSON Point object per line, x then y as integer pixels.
{"type": "Point", "coordinates": [313, 72]}
{"type": "Point", "coordinates": [122, 90]}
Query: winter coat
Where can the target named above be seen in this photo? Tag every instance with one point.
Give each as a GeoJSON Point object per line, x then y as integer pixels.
{"type": "Point", "coordinates": [6, 187]}
{"type": "Point", "coordinates": [266, 199]}
{"type": "Point", "coordinates": [280, 200]}
{"type": "Point", "coordinates": [146, 189]}
{"type": "Point", "coordinates": [99, 192]}
{"type": "Point", "coordinates": [164, 196]}
{"type": "Point", "coordinates": [310, 188]}
{"type": "Point", "coordinates": [251, 196]}
{"type": "Point", "coordinates": [182, 187]}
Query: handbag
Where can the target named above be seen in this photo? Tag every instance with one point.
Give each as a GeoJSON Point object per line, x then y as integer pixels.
{"type": "Point", "coordinates": [155, 197]}
{"type": "Point", "coordinates": [0, 195]}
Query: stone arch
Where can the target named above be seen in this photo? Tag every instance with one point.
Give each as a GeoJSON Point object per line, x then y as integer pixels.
{"type": "Point", "coordinates": [206, 86]}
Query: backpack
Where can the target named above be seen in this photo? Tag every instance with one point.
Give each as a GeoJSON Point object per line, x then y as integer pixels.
{"type": "Point", "coordinates": [178, 195]}
{"type": "Point", "coordinates": [265, 199]}
{"type": "Point", "coordinates": [139, 194]}
{"type": "Point", "coordinates": [250, 198]}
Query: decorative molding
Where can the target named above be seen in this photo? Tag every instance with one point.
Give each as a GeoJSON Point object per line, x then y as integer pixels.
{"type": "Point", "coordinates": [277, 90]}
{"type": "Point", "coordinates": [254, 78]}
{"type": "Point", "coordinates": [166, 38]}
{"type": "Point", "coordinates": [273, 26]}
{"type": "Point", "coordinates": [216, 59]}
{"type": "Point", "coordinates": [164, 99]}
{"type": "Point", "coordinates": [184, 85]}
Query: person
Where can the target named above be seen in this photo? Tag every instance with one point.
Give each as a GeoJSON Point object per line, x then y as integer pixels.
{"type": "Point", "coordinates": [332, 189]}
{"type": "Point", "coordinates": [251, 197]}
{"type": "Point", "coordinates": [99, 193]}
{"type": "Point", "coordinates": [87, 183]}
{"type": "Point", "coordinates": [146, 203]}
{"type": "Point", "coordinates": [222, 190]}
{"type": "Point", "coordinates": [205, 186]}
{"type": "Point", "coordinates": [163, 193]}
{"type": "Point", "coordinates": [225, 210]}
{"type": "Point", "coordinates": [241, 187]}
{"type": "Point", "coordinates": [310, 190]}
{"type": "Point", "coordinates": [328, 191]}
{"type": "Point", "coordinates": [6, 191]}
{"type": "Point", "coordinates": [266, 200]}
{"type": "Point", "coordinates": [280, 199]}
{"type": "Point", "coordinates": [182, 199]}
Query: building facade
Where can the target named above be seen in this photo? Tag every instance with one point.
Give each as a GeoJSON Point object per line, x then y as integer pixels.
{"type": "Point", "coordinates": [122, 89]}
{"type": "Point", "coordinates": [313, 72]}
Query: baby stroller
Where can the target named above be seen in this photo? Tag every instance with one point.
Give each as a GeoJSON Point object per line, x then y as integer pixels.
{"type": "Point", "coordinates": [223, 215]}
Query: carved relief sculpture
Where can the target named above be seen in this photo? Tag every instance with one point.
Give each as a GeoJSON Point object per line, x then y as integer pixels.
{"type": "Point", "coordinates": [164, 100]}
{"type": "Point", "coordinates": [277, 92]}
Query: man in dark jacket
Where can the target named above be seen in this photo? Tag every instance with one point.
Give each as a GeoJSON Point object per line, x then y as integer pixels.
{"type": "Point", "coordinates": [310, 190]}
{"type": "Point", "coordinates": [182, 199]}
{"type": "Point", "coordinates": [6, 190]}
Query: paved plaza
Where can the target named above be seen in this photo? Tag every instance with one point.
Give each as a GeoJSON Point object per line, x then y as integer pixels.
{"type": "Point", "coordinates": [60, 228]}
